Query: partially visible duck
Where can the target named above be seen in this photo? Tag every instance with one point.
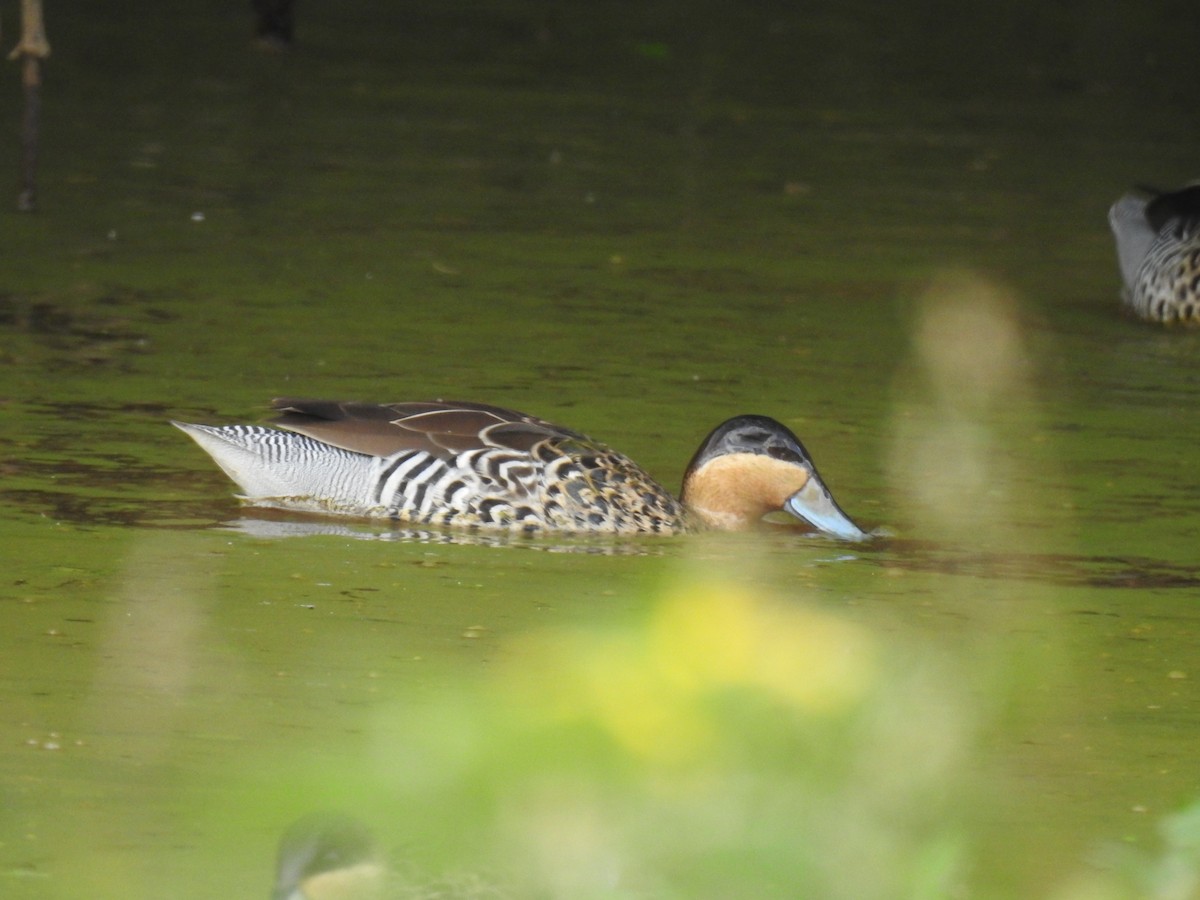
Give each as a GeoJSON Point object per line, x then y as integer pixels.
{"type": "Point", "coordinates": [1158, 249]}
{"type": "Point", "coordinates": [327, 857]}
{"type": "Point", "coordinates": [483, 467]}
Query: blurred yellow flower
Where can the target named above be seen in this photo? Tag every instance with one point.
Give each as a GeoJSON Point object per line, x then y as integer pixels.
{"type": "Point", "coordinates": [709, 636]}
{"type": "Point", "coordinates": [651, 686]}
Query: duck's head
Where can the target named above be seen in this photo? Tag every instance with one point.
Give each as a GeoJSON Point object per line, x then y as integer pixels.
{"type": "Point", "coordinates": [752, 465]}
{"type": "Point", "coordinates": [327, 857]}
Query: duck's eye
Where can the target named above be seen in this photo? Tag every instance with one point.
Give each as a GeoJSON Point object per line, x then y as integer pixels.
{"type": "Point", "coordinates": [783, 453]}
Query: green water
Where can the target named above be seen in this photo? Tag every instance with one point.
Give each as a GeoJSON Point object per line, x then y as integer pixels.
{"type": "Point", "coordinates": [886, 229]}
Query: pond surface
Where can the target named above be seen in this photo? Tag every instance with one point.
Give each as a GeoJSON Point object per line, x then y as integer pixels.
{"type": "Point", "coordinates": [886, 230]}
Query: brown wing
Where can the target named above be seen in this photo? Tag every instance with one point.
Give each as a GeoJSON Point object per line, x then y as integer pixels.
{"type": "Point", "coordinates": [440, 428]}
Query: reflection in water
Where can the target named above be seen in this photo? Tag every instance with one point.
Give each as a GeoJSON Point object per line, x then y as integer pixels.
{"type": "Point", "coordinates": [273, 528]}
{"type": "Point", "coordinates": [268, 525]}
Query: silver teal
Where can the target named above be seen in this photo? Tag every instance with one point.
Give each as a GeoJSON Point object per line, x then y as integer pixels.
{"type": "Point", "coordinates": [477, 466]}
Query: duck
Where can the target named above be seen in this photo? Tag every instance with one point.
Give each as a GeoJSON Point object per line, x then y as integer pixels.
{"type": "Point", "coordinates": [1158, 250]}
{"type": "Point", "coordinates": [483, 467]}
{"type": "Point", "coordinates": [327, 856]}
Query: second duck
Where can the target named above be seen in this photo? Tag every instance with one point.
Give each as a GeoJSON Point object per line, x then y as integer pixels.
{"type": "Point", "coordinates": [1158, 249]}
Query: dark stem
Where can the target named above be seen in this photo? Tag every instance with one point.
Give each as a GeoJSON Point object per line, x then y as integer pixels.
{"type": "Point", "coordinates": [31, 81]}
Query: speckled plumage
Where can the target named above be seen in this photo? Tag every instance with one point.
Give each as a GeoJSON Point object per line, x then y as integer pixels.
{"type": "Point", "coordinates": [1158, 248]}
{"type": "Point", "coordinates": [472, 465]}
